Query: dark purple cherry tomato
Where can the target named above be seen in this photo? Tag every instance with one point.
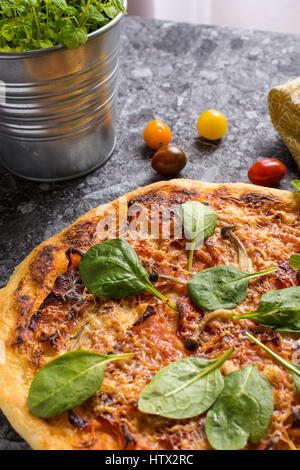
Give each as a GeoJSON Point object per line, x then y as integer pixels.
{"type": "Point", "coordinates": [169, 160]}
{"type": "Point", "coordinates": [267, 172]}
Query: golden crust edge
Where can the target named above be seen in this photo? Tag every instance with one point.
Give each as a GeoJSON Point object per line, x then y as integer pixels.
{"type": "Point", "coordinates": [13, 388]}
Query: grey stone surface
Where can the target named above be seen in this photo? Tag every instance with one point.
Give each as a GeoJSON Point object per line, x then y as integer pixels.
{"type": "Point", "coordinates": [172, 72]}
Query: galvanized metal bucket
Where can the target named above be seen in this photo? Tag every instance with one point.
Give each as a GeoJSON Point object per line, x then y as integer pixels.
{"type": "Point", "coordinates": [57, 121]}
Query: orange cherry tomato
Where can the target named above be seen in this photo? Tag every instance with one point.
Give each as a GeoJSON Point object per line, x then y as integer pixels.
{"type": "Point", "coordinates": [157, 134]}
{"type": "Point", "coordinates": [267, 172]}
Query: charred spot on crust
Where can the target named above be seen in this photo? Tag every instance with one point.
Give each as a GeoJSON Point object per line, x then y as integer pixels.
{"type": "Point", "coordinates": [148, 313]}
{"type": "Point", "coordinates": [24, 302]}
{"type": "Point", "coordinates": [77, 421]}
{"type": "Point", "coordinates": [81, 234]}
{"type": "Point", "coordinates": [42, 264]}
{"type": "Point", "coordinates": [176, 196]}
{"type": "Point", "coordinates": [258, 200]}
{"type": "Point", "coordinates": [34, 320]}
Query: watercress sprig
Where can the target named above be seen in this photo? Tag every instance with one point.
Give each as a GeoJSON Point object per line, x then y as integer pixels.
{"type": "Point", "coordinates": [243, 410]}
{"type": "Point", "coordinates": [184, 388]}
{"type": "Point", "coordinates": [294, 369]}
{"type": "Point", "coordinates": [221, 287]}
{"type": "Point", "coordinates": [199, 222]}
{"type": "Point", "coordinates": [278, 309]}
{"type": "Point", "coordinates": [112, 269]}
{"type": "Point", "coordinates": [67, 382]}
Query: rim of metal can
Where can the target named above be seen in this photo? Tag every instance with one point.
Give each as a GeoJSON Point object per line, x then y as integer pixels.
{"type": "Point", "coordinates": [38, 52]}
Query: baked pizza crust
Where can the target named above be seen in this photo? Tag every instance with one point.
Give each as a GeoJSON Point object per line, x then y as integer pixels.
{"type": "Point", "coordinates": [14, 385]}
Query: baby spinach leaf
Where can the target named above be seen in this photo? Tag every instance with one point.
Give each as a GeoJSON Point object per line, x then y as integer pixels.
{"type": "Point", "coordinates": [295, 261]}
{"type": "Point", "coordinates": [278, 309]}
{"type": "Point", "coordinates": [67, 382]}
{"type": "Point", "coordinates": [228, 422]}
{"type": "Point", "coordinates": [112, 269]}
{"type": "Point", "coordinates": [243, 410]}
{"type": "Point", "coordinates": [199, 222]}
{"type": "Point", "coordinates": [184, 388]}
{"type": "Point", "coordinates": [296, 184]}
{"type": "Point", "coordinates": [221, 287]}
{"type": "Point", "coordinates": [294, 369]}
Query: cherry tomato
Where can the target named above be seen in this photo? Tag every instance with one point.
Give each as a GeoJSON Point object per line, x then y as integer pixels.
{"type": "Point", "coordinates": [212, 125]}
{"type": "Point", "coordinates": [157, 134]}
{"type": "Point", "coordinates": [267, 172]}
{"type": "Point", "coordinates": [169, 160]}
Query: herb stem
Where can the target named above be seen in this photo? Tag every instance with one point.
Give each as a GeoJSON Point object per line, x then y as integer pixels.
{"type": "Point", "coordinates": [261, 273]}
{"type": "Point", "coordinates": [123, 356]}
{"type": "Point", "coordinates": [191, 255]}
{"type": "Point", "coordinates": [173, 279]}
{"type": "Point", "coordinates": [84, 15]}
{"type": "Point", "coordinates": [37, 23]}
{"type": "Point", "coordinates": [161, 297]}
{"type": "Point", "coordinates": [279, 359]}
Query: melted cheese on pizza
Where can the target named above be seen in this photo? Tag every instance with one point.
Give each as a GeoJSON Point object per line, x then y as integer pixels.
{"type": "Point", "coordinates": [69, 317]}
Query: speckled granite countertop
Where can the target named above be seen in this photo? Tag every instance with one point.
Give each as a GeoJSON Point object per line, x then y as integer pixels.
{"type": "Point", "coordinates": [173, 72]}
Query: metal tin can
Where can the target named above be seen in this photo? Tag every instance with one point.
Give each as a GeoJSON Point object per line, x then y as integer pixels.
{"type": "Point", "coordinates": [57, 120]}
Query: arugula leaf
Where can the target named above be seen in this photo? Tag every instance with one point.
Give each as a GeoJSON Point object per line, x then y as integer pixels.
{"type": "Point", "coordinates": [243, 410]}
{"type": "Point", "coordinates": [199, 222]}
{"type": "Point", "coordinates": [67, 382]}
{"type": "Point", "coordinates": [294, 369]}
{"type": "Point", "coordinates": [278, 309]}
{"type": "Point", "coordinates": [296, 184]}
{"type": "Point", "coordinates": [221, 287]}
{"type": "Point", "coordinates": [184, 388]}
{"type": "Point", "coordinates": [112, 269]}
{"type": "Point", "coordinates": [295, 261]}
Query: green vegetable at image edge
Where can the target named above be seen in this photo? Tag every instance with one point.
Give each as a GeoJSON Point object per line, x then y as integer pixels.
{"type": "Point", "coordinates": [278, 309]}
{"type": "Point", "coordinates": [27, 25]}
{"type": "Point", "coordinates": [296, 184]}
{"type": "Point", "coordinates": [295, 261]}
{"type": "Point", "coordinates": [294, 369]}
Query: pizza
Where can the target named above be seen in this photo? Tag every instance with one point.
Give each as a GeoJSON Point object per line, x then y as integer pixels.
{"type": "Point", "coordinates": [46, 311]}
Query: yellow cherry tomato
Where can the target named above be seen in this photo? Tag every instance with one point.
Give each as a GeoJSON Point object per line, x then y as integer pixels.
{"type": "Point", "coordinates": [212, 125]}
{"type": "Point", "coordinates": [157, 134]}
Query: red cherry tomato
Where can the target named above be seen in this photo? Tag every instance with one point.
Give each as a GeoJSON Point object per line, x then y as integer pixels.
{"type": "Point", "coordinates": [267, 172]}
